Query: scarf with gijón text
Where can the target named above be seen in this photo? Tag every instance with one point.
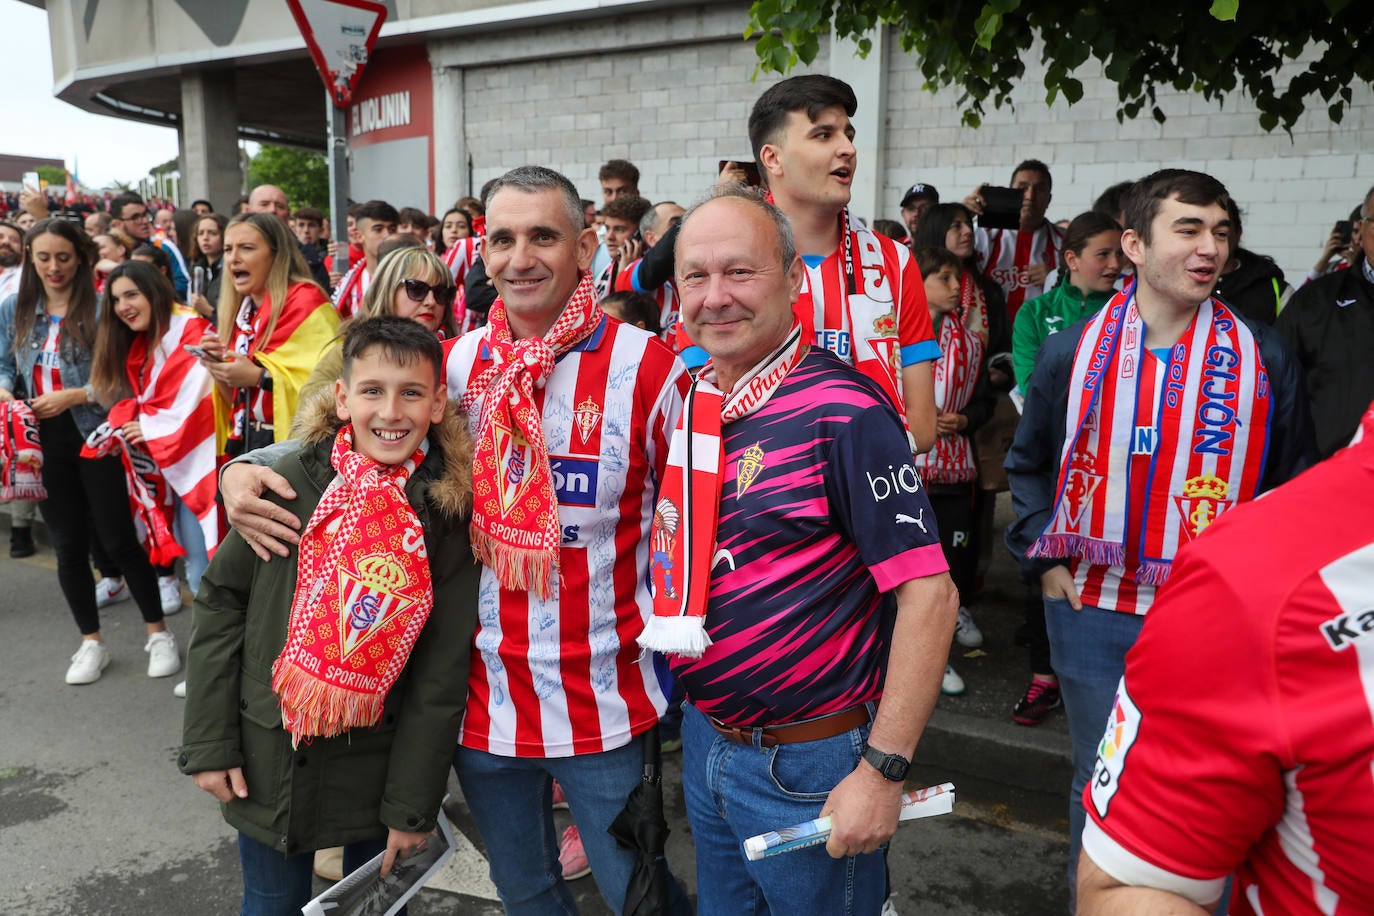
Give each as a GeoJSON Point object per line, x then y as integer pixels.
{"type": "Point", "coordinates": [21, 454]}
{"type": "Point", "coordinates": [515, 528]}
{"type": "Point", "coordinates": [950, 460]}
{"type": "Point", "coordinates": [1206, 443]}
{"type": "Point", "coordinates": [363, 593]}
{"type": "Point", "coordinates": [685, 516]}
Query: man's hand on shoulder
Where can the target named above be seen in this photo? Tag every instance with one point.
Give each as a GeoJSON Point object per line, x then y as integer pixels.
{"type": "Point", "coordinates": [863, 810]}
{"type": "Point", "coordinates": [265, 526]}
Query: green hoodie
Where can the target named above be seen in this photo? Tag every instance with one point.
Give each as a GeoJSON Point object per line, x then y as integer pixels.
{"type": "Point", "coordinates": [1045, 315]}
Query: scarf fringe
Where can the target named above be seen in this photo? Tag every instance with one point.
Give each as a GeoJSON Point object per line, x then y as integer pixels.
{"type": "Point", "coordinates": [31, 493]}
{"type": "Point", "coordinates": [518, 568]}
{"type": "Point", "coordinates": [1154, 572]}
{"type": "Point", "coordinates": [1098, 553]}
{"type": "Point", "coordinates": [313, 708]}
{"type": "Point", "coordinates": [676, 636]}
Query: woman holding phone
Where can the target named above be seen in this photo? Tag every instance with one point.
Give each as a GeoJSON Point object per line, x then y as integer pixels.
{"type": "Point", "coordinates": [274, 323]}
{"type": "Point", "coordinates": [47, 334]}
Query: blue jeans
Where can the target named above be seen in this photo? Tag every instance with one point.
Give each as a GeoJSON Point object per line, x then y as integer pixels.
{"type": "Point", "coordinates": [736, 791]}
{"type": "Point", "coordinates": [511, 799]}
{"type": "Point", "coordinates": [1088, 650]}
{"type": "Point", "coordinates": [274, 885]}
{"type": "Point", "coordinates": [190, 536]}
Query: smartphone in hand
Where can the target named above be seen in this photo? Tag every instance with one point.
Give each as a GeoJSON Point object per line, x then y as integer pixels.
{"type": "Point", "coordinates": [201, 353]}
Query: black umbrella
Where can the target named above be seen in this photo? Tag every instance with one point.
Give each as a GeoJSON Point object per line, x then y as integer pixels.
{"type": "Point", "coordinates": [641, 827]}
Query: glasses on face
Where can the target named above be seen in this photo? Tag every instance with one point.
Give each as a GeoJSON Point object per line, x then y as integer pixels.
{"type": "Point", "coordinates": [417, 290]}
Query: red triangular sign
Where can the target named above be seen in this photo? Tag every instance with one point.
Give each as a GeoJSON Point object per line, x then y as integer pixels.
{"type": "Point", "coordinates": [340, 35]}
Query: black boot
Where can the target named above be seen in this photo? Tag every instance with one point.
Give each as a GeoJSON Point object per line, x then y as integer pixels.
{"type": "Point", "coordinates": [21, 543]}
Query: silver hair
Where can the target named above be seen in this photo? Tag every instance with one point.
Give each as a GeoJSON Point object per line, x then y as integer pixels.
{"type": "Point", "coordinates": [534, 178]}
{"type": "Point", "coordinates": [787, 244]}
{"type": "Point", "coordinates": [649, 222]}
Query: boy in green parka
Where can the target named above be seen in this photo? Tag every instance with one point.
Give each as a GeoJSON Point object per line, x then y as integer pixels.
{"type": "Point", "coordinates": [324, 695]}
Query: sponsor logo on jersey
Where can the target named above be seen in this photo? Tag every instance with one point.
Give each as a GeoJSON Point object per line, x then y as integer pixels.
{"type": "Point", "coordinates": [1143, 440]}
{"type": "Point", "coordinates": [1122, 727]}
{"type": "Point", "coordinates": [574, 480]}
{"type": "Point", "coordinates": [1203, 500]}
{"type": "Point", "coordinates": [748, 468]}
{"type": "Point", "coordinates": [902, 479]}
{"type": "Point", "coordinates": [919, 520]}
{"type": "Point", "coordinates": [1340, 631]}
{"type": "Point", "coordinates": [836, 342]}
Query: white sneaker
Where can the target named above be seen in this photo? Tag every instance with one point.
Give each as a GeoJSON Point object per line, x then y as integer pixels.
{"type": "Point", "coordinates": [110, 591]}
{"type": "Point", "coordinates": [951, 685]}
{"type": "Point", "coordinates": [966, 632]}
{"type": "Point", "coordinates": [889, 906]}
{"type": "Point", "coordinates": [170, 589]}
{"type": "Point", "coordinates": [88, 662]}
{"type": "Point", "coordinates": [162, 654]}
{"type": "Point", "coordinates": [179, 690]}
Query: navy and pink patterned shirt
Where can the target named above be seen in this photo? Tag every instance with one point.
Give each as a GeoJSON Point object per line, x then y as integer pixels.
{"type": "Point", "coordinates": [822, 511]}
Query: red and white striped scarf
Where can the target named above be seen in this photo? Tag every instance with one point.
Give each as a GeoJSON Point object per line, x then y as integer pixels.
{"type": "Point", "coordinates": [1209, 437]}
{"type": "Point", "coordinates": [363, 593]}
{"type": "Point", "coordinates": [950, 460]}
{"type": "Point", "coordinates": [150, 498]}
{"type": "Point", "coordinates": [515, 529]}
{"type": "Point", "coordinates": [685, 517]}
{"type": "Point", "coordinates": [21, 453]}
{"type": "Point", "coordinates": [173, 404]}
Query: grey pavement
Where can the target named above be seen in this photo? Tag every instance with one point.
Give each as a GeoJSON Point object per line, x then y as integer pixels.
{"type": "Point", "coordinates": [95, 818]}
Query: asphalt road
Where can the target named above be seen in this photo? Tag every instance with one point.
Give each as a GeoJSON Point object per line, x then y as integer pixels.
{"type": "Point", "coordinates": [95, 819]}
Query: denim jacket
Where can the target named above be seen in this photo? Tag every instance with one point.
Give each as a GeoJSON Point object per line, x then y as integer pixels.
{"type": "Point", "coordinates": [17, 367]}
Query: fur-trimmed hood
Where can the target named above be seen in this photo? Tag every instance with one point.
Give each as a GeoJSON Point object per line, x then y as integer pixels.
{"type": "Point", "coordinates": [318, 422]}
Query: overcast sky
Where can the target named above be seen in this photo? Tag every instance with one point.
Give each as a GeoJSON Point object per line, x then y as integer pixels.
{"type": "Point", "coordinates": [35, 123]}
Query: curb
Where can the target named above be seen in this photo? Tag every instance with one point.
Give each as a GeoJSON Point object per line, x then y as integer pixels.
{"type": "Point", "coordinates": [996, 751]}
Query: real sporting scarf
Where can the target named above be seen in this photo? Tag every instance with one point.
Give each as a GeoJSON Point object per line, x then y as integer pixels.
{"type": "Point", "coordinates": [363, 593]}
{"type": "Point", "coordinates": [173, 405]}
{"type": "Point", "coordinates": [1208, 437]}
{"type": "Point", "coordinates": [515, 529]}
{"type": "Point", "coordinates": [973, 307]}
{"type": "Point", "coordinates": [683, 540]}
{"type": "Point", "coordinates": [950, 460]}
{"type": "Point", "coordinates": [150, 498]}
{"type": "Point", "coordinates": [21, 453]}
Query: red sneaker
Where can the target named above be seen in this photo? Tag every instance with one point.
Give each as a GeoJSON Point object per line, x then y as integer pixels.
{"type": "Point", "coordinates": [572, 856]}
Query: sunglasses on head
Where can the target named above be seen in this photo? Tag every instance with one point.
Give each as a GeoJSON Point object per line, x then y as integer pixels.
{"type": "Point", "coordinates": [417, 290]}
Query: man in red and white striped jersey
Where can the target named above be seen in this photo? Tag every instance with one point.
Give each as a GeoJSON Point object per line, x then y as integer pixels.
{"type": "Point", "coordinates": [558, 687]}
{"type": "Point", "coordinates": [1019, 260]}
{"type": "Point", "coordinates": [1241, 740]}
{"type": "Point", "coordinates": [376, 222]}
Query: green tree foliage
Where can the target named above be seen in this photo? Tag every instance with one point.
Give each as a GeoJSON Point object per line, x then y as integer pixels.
{"type": "Point", "coordinates": [54, 176]}
{"type": "Point", "coordinates": [303, 175]}
{"type": "Point", "coordinates": [980, 47]}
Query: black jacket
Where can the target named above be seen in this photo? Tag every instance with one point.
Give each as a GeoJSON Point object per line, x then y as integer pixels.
{"type": "Point", "coordinates": [1033, 462]}
{"type": "Point", "coordinates": [1254, 288]}
{"type": "Point", "coordinates": [1329, 326]}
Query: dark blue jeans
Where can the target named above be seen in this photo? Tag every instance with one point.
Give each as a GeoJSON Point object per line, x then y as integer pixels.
{"type": "Point", "coordinates": [274, 885]}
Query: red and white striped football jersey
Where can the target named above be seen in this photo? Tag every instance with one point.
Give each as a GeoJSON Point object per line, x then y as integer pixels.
{"type": "Point", "coordinates": [1005, 256]}
{"type": "Point", "coordinates": [565, 676]}
{"type": "Point", "coordinates": [460, 258]}
{"type": "Point", "coordinates": [1242, 737]}
{"type": "Point", "coordinates": [348, 298]}
{"type": "Point", "coordinates": [47, 368]}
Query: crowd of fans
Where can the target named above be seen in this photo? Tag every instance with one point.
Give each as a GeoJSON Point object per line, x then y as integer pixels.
{"type": "Point", "coordinates": [150, 342]}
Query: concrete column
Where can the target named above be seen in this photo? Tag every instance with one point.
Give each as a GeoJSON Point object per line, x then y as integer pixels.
{"type": "Point", "coordinates": [208, 139]}
{"type": "Point", "coordinates": [450, 144]}
{"type": "Point", "coordinates": [868, 76]}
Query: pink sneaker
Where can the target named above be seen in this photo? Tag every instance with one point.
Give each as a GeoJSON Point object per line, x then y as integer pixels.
{"type": "Point", "coordinates": [559, 799]}
{"type": "Point", "coordinates": [572, 856]}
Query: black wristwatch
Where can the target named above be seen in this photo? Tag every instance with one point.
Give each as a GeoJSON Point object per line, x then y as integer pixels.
{"type": "Point", "coordinates": [892, 766]}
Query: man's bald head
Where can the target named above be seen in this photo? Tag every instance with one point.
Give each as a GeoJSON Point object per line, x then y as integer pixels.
{"type": "Point", "coordinates": [268, 198]}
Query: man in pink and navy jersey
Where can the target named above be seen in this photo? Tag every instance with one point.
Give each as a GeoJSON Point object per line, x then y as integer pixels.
{"type": "Point", "coordinates": [1019, 260]}
{"type": "Point", "coordinates": [824, 560]}
{"type": "Point", "coordinates": [1143, 424]}
{"type": "Point", "coordinates": [1258, 760]}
